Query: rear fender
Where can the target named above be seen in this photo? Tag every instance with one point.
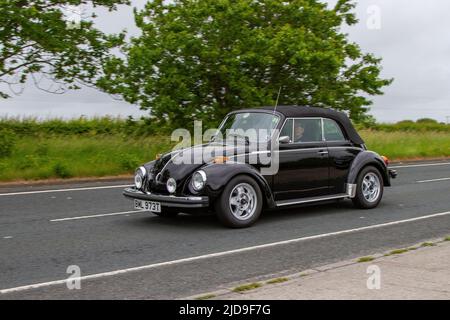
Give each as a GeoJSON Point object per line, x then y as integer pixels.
{"type": "Point", "coordinates": [368, 158]}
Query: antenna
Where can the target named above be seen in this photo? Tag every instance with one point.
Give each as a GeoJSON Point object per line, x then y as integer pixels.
{"type": "Point", "coordinates": [278, 98]}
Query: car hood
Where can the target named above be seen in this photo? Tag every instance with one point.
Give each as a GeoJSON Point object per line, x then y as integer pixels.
{"type": "Point", "coordinates": [180, 164]}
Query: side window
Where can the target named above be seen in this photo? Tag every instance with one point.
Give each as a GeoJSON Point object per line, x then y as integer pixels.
{"type": "Point", "coordinates": [307, 130]}
{"type": "Point", "coordinates": [332, 131]}
{"type": "Point", "coordinates": [287, 129]}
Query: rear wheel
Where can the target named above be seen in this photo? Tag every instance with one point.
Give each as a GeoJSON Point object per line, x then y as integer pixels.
{"type": "Point", "coordinates": [369, 190]}
{"type": "Point", "coordinates": [240, 204]}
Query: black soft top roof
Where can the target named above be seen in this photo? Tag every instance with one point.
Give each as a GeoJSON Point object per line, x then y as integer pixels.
{"type": "Point", "coordinates": [302, 111]}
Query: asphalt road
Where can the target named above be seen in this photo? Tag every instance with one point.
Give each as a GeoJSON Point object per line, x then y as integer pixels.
{"type": "Point", "coordinates": [123, 254]}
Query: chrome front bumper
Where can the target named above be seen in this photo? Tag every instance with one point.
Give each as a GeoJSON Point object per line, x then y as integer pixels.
{"type": "Point", "coordinates": [167, 200]}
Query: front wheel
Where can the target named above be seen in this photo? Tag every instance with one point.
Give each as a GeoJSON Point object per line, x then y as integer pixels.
{"type": "Point", "coordinates": [369, 190]}
{"type": "Point", "coordinates": [240, 204]}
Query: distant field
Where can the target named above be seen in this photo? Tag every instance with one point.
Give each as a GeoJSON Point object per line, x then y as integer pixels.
{"type": "Point", "coordinates": [398, 145]}
{"type": "Point", "coordinates": [33, 150]}
{"type": "Point", "coordinates": [35, 158]}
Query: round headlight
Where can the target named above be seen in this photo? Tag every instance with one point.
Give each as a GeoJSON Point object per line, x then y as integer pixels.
{"type": "Point", "coordinates": [171, 185]}
{"type": "Point", "coordinates": [198, 180]}
{"type": "Point", "coordinates": [139, 177]}
{"type": "Point", "coordinates": [138, 180]}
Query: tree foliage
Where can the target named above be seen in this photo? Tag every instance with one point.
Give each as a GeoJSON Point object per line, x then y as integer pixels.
{"type": "Point", "coordinates": [201, 59]}
{"type": "Point", "coordinates": [36, 41]}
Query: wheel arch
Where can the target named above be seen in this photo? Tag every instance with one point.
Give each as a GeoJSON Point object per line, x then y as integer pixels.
{"type": "Point", "coordinates": [219, 175]}
{"type": "Point", "coordinates": [365, 159]}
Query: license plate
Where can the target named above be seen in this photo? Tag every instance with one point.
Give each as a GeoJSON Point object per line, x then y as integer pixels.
{"type": "Point", "coordinates": [147, 205]}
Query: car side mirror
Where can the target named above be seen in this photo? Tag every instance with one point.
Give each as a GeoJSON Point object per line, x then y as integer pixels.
{"type": "Point", "coordinates": [284, 139]}
{"type": "Point", "coordinates": [213, 136]}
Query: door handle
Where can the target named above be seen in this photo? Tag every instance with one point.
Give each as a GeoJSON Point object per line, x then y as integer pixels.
{"type": "Point", "coordinates": [323, 152]}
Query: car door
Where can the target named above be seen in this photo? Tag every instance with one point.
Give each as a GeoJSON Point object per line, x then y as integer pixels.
{"type": "Point", "coordinates": [342, 152]}
{"type": "Point", "coordinates": [304, 164]}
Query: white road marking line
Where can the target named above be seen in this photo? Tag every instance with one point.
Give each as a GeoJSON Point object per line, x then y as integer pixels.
{"type": "Point", "coordinates": [96, 216]}
{"type": "Point", "coordinates": [421, 165]}
{"type": "Point", "coordinates": [433, 180]}
{"type": "Point", "coordinates": [8, 237]}
{"type": "Point", "coordinates": [217, 254]}
{"type": "Point", "coordinates": [63, 190]}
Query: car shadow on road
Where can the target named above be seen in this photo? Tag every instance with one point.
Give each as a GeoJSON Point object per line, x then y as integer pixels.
{"type": "Point", "coordinates": [307, 210]}
{"type": "Point", "coordinates": [182, 221]}
{"type": "Point", "coordinates": [207, 221]}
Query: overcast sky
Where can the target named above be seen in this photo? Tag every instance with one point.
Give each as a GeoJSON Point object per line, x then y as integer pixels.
{"type": "Point", "coordinates": [412, 37]}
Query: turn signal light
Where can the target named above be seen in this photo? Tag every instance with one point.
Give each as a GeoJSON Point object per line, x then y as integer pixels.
{"type": "Point", "coordinates": [220, 160]}
{"type": "Point", "coordinates": [385, 159]}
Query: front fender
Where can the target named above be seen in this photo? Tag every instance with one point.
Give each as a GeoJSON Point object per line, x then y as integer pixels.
{"type": "Point", "coordinates": [218, 176]}
{"type": "Point", "coordinates": [364, 159]}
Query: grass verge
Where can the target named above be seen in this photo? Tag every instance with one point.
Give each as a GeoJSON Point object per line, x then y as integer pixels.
{"type": "Point", "coordinates": [36, 158]}
{"type": "Point", "coordinates": [408, 145]}
{"type": "Point", "coordinates": [46, 156]}
{"type": "Point", "coordinates": [206, 297]}
{"type": "Point", "coordinates": [277, 280]}
{"type": "Point", "coordinates": [398, 251]}
{"type": "Point", "coordinates": [247, 287]}
{"type": "Point", "coordinates": [427, 244]}
{"type": "Point", "coordinates": [365, 259]}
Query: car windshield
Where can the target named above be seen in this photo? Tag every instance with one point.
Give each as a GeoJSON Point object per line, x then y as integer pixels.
{"type": "Point", "coordinates": [249, 126]}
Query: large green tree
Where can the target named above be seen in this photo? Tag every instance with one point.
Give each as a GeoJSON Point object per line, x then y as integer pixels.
{"type": "Point", "coordinates": [199, 59]}
{"type": "Point", "coordinates": [37, 40]}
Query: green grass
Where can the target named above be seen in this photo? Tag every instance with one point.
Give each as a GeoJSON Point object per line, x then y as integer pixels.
{"type": "Point", "coordinates": [365, 259]}
{"type": "Point", "coordinates": [206, 297]}
{"type": "Point", "coordinates": [408, 145]}
{"type": "Point", "coordinates": [447, 238]}
{"type": "Point", "coordinates": [428, 244]}
{"type": "Point", "coordinates": [78, 156]}
{"type": "Point", "coordinates": [398, 251]}
{"type": "Point", "coordinates": [410, 126]}
{"type": "Point", "coordinates": [277, 280]}
{"type": "Point", "coordinates": [247, 287]}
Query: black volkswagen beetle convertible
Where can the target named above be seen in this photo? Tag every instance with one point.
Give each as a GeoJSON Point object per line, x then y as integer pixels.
{"type": "Point", "coordinates": [308, 155]}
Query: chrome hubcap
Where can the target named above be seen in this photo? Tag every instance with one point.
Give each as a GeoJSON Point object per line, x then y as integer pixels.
{"type": "Point", "coordinates": [243, 201]}
{"type": "Point", "coordinates": [371, 187]}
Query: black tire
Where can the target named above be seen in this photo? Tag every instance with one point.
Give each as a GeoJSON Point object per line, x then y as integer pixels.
{"type": "Point", "coordinates": [223, 208]}
{"type": "Point", "coordinates": [360, 200]}
{"type": "Point", "coordinates": [167, 212]}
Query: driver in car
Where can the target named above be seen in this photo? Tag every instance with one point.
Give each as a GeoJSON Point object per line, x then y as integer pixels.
{"type": "Point", "coordinates": [298, 132]}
